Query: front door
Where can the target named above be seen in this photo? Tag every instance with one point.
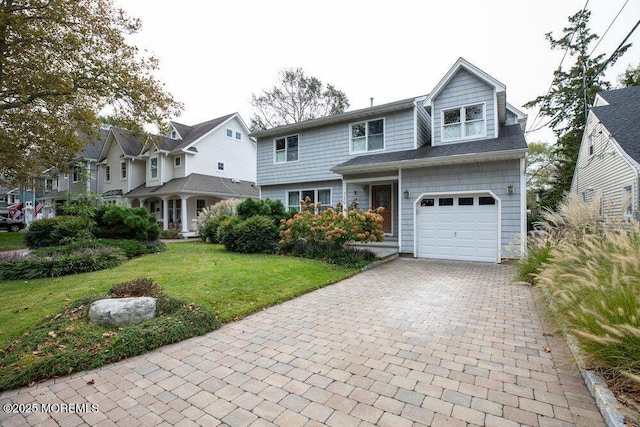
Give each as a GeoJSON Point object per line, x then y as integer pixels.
{"type": "Point", "coordinates": [381, 196]}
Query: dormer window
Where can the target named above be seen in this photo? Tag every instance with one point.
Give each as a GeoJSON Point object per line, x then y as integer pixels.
{"type": "Point", "coordinates": [153, 166]}
{"type": "Point", "coordinates": [174, 134]}
{"type": "Point", "coordinates": [463, 123]}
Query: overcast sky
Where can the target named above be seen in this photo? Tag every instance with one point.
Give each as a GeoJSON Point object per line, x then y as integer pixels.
{"type": "Point", "coordinates": [214, 55]}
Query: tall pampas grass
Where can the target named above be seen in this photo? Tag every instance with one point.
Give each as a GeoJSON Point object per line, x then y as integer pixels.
{"type": "Point", "coordinates": [592, 273]}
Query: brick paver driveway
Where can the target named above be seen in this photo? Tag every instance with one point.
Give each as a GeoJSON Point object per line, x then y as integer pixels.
{"type": "Point", "coordinates": [410, 342]}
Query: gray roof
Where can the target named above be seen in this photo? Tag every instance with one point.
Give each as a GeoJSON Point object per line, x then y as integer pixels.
{"type": "Point", "coordinates": [191, 134]}
{"type": "Point", "coordinates": [111, 193]}
{"type": "Point", "coordinates": [510, 143]}
{"type": "Point", "coordinates": [199, 184]}
{"type": "Point", "coordinates": [337, 118]}
{"type": "Point", "coordinates": [131, 145]}
{"type": "Point", "coordinates": [94, 144]}
{"type": "Point", "coordinates": [622, 118]}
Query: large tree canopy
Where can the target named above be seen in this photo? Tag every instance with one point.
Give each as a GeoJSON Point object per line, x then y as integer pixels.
{"type": "Point", "coordinates": [296, 98]}
{"type": "Point", "coordinates": [571, 93]}
{"type": "Point", "coordinates": [61, 63]}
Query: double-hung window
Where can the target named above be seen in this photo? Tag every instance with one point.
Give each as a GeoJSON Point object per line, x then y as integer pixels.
{"type": "Point", "coordinates": [123, 170]}
{"type": "Point", "coordinates": [463, 122]}
{"type": "Point", "coordinates": [367, 136]}
{"type": "Point", "coordinates": [153, 165]}
{"type": "Point", "coordinates": [286, 149]}
{"type": "Point", "coordinates": [322, 196]}
{"type": "Point", "coordinates": [77, 170]}
{"type": "Point", "coordinates": [107, 173]}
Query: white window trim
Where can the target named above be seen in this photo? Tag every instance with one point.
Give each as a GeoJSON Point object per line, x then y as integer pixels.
{"type": "Point", "coordinates": [275, 157]}
{"type": "Point", "coordinates": [462, 123]}
{"type": "Point", "coordinates": [125, 170]}
{"type": "Point", "coordinates": [315, 195]}
{"type": "Point", "coordinates": [151, 177]}
{"type": "Point", "coordinates": [107, 173]}
{"type": "Point", "coordinates": [366, 133]}
{"type": "Point", "coordinates": [224, 166]}
{"type": "Point", "coordinates": [177, 159]}
{"type": "Point", "coordinates": [226, 133]}
{"type": "Point", "coordinates": [75, 177]}
{"type": "Point", "coordinates": [235, 135]}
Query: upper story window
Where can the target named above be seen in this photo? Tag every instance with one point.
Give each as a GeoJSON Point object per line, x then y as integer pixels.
{"type": "Point", "coordinates": [220, 166]}
{"type": "Point", "coordinates": [123, 170]}
{"type": "Point", "coordinates": [286, 149]}
{"type": "Point", "coordinates": [174, 134]}
{"type": "Point", "coordinates": [627, 200]}
{"type": "Point", "coordinates": [367, 136]}
{"type": "Point", "coordinates": [153, 167]}
{"type": "Point", "coordinates": [77, 171]}
{"type": "Point", "coordinates": [590, 139]}
{"type": "Point", "coordinates": [239, 136]}
{"type": "Point", "coordinates": [463, 122]}
{"type": "Point", "coordinates": [177, 162]}
{"type": "Point", "coordinates": [229, 133]}
{"type": "Point", "coordinates": [107, 173]}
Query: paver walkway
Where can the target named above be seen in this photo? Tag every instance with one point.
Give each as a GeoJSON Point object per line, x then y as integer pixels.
{"type": "Point", "coordinates": [410, 342]}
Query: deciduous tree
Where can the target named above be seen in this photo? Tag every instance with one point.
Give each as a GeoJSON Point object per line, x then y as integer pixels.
{"type": "Point", "coordinates": [61, 63]}
{"type": "Point", "coordinates": [297, 97]}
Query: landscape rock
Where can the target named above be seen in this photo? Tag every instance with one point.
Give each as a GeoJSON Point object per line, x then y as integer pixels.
{"type": "Point", "coordinates": [122, 311]}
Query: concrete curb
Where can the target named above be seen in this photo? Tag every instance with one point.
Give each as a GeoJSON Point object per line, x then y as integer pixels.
{"type": "Point", "coordinates": [380, 261]}
{"type": "Point", "coordinates": [605, 399]}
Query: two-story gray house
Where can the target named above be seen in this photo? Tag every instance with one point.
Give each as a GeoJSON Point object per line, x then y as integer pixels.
{"type": "Point", "coordinates": [448, 167]}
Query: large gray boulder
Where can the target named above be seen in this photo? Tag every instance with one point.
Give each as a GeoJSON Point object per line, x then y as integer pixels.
{"type": "Point", "coordinates": [122, 311]}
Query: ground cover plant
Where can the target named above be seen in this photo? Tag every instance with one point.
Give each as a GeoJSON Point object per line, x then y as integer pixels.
{"type": "Point", "coordinates": [590, 271]}
{"type": "Point", "coordinates": [227, 284]}
{"type": "Point", "coordinates": [67, 341]}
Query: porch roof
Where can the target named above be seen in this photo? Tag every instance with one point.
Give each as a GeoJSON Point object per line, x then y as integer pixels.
{"type": "Point", "coordinates": [509, 145]}
{"type": "Point", "coordinates": [198, 184]}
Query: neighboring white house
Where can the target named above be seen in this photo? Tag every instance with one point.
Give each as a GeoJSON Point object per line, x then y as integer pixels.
{"type": "Point", "coordinates": [193, 167]}
{"type": "Point", "coordinates": [172, 176]}
{"type": "Point", "coordinates": [448, 167]}
{"type": "Point", "coordinates": [608, 163]}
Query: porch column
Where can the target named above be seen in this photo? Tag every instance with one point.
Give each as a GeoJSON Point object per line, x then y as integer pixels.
{"type": "Point", "coordinates": [165, 213]}
{"type": "Point", "coordinates": [183, 215]}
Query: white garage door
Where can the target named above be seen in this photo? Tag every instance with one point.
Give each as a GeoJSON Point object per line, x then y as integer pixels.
{"type": "Point", "coordinates": [462, 227]}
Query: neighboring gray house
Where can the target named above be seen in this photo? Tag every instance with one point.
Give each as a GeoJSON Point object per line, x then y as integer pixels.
{"type": "Point", "coordinates": [608, 163]}
{"type": "Point", "coordinates": [448, 167]}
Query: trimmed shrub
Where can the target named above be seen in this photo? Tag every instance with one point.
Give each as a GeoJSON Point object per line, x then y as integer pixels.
{"type": "Point", "coordinates": [142, 287]}
{"type": "Point", "coordinates": [225, 207]}
{"type": "Point", "coordinates": [120, 222]}
{"type": "Point", "coordinates": [57, 231]}
{"type": "Point", "coordinates": [273, 209]}
{"type": "Point", "coordinates": [209, 232]}
{"type": "Point", "coordinates": [130, 248]}
{"type": "Point", "coordinates": [171, 234]}
{"type": "Point", "coordinates": [225, 227]}
{"type": "Point", "coordinates": [257, 234]}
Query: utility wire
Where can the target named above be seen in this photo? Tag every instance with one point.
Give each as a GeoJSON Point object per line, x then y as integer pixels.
{"type": "Point", "coordinates": [609, 27]}
{"type": "Point", "coordinates": [533, 123]}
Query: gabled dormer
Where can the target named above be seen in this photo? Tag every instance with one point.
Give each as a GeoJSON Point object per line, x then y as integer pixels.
{"type": "Point", "coordinates": [467, 105]}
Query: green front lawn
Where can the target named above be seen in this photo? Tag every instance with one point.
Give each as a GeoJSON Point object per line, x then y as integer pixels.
{"type": "Point", "coordinates": [229, 284]}
{"type": "Point", "coordinates": [11, 241]}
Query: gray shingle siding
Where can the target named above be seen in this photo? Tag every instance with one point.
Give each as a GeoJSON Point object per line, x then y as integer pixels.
{"type": "Point", "coordinates": [463, 89]}
{"type": "Point", "coordinates": [494, 176]}
{"type": "Point", "coordinates": [424, 125]}
{"type": "Point", "coordinates": [319, 149]}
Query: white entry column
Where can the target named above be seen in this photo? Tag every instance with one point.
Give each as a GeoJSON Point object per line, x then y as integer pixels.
{"type": "Point", "coordinates": [183, 215]}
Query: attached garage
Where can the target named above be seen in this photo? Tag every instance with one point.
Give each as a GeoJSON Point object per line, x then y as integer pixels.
{"type": "Point", "coordinates": [458, 226]}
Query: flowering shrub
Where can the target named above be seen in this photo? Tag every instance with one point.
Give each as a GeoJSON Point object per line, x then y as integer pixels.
{"type": "Point", "coordinates": [331, 228]}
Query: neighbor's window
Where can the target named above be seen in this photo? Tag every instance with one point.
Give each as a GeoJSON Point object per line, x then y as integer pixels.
{"type": "Point", "coordinates": [123, 170]}
{"type": "Point", "coordinates": [230, 133]}
{"type": "Point", "coordinates": [107, 173]}
{"type": "Point", "coordinates": [77, 170]}
{"type": "Point", "coordinates": [238, 136]}
{"type": "Point", "coordinates": [591, 137]}
{"type": "Point", "coordinates": [367, 136]}
{"type": "Point", "coordinates": [464, 122]}
{"type": "Point", "coordinates": [220, 166]}
{"type": "Point", "coordinates": [154, 167]}
{"type": "Point", "coordinates": [177, 162]}
{"type": "Point", "coordinates": [199, 206]}
{"type": "Point", "coordinates": [627, 200]}
{"type": "Point", "coordinates": [286, 149]}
